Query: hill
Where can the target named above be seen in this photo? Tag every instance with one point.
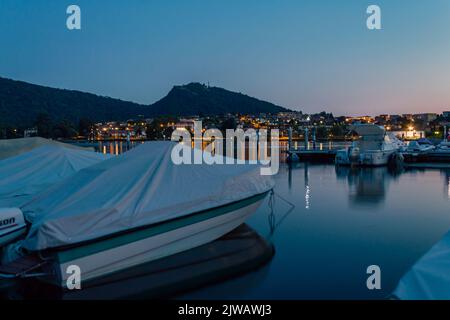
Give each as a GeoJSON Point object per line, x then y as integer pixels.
{"type": "Point", "coordinates": [22, 102]}
{"type": "Point", "coordinates": [199, 99]}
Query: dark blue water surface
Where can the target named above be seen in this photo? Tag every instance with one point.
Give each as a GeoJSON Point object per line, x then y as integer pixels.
{"type": "Point", "coordinates": [344, 220]}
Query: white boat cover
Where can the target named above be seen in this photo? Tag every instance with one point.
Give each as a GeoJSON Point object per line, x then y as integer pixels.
{"type": "Point", "coordinates": [24, 175]}
{"type": "Point", "coordinates": [138, 188]}
{"type": "Point", "coordinates": [368, 130]}
{"type": "Point", "coordinates": [14, 147]}
{"type": "Point", "coordinates": [429, 278]}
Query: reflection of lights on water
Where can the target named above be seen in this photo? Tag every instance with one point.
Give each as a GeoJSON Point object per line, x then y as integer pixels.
{"type": "Point", "coordinates": [307, 196]}
{"type": "Point", "coordinates": [448, 188]}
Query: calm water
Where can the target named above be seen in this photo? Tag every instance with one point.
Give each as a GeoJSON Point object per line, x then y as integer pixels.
{"type": "Point", "coordinates": [344, 220]}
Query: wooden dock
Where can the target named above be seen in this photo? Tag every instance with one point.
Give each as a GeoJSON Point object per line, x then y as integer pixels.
{"type": "Point", "coordinates": [316, 155]}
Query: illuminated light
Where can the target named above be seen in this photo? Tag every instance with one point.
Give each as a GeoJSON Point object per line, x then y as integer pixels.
{"type": "Point", "coordinates": [410, 128]}
{"type": "Point", "coordinates": [448, 188]}
{"type": "Point", "coordinates": [307, 197]}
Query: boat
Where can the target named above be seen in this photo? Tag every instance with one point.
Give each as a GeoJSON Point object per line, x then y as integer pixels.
{"type": "Point", "coordinates": [24, 175]}
{"type": "Point", "coordinates": [435, 154]}
{"type": "Point", "coordinates": [372, 148]}
{"type": "Point", "coordinates": [444, 146]}
{"type": "Point", "coordinates": [14, 147]}
{"type": "Point", "coordinates": [428, 278]}
{"type": "Point", "coordinates": [420, 146]}
{"type": "Point", "coordinates": [132, 209]}
{"type": "Point", "coordinates": [441, 153]}
{"type": "Point", "coordinates": [238, 252]}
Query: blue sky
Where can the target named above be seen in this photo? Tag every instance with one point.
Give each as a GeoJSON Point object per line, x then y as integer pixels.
{"type": "Point", "coordinates": [310, 55]}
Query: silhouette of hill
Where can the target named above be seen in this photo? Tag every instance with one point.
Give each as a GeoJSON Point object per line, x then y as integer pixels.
{"type": "Point", "coordinates": [22, 102]}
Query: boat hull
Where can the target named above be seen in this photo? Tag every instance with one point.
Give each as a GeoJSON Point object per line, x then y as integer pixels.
{"type": "Point", "coordinates": [238, 252]}
{"type": "Point", "coordinates": [118, 253]}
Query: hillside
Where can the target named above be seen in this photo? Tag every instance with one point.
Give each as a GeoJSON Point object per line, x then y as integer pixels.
{"type": "Point", "coordinates": [198, 99]}
{"type": "Point", "coordinates": [22, 102]}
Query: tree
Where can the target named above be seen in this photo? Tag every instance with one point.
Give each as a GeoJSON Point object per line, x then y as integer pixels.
{"type": "Point", "coordinates": [64, 129]}
{"type": "Point", "coordinates": [154, 130]}
{"type": "Point", "coordinates": [44, 125]}
{"type": "Point", "coordinates": [229, 123]}
{"type": "Point", "coordinates": [337, 130]}
{"type": "Point", "coordinates": [85, 127]}
{"type": "Point", "coordinates": [7, 132]}
{"type": "Point", "coordinates": [321, 132]}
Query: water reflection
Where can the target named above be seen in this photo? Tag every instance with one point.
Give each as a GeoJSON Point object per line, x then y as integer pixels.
{"type": "Point", "coordinates": [115, 147]}
{"type": "Point", "coordinates": [307, 188]}
{"type": "Point", "coordinates": [367, 186]}
{"type": "Point", "coordinates": [355, 218]}
{"type": "Point", "coordinates": [447, 183]}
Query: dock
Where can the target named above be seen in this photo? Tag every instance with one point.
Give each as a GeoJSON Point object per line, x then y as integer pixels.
{"type": "Point", "coordinates": [326, 152]}
{"type": "Point", "coordinates": [428, 157]}
{"type": "Point", "coordinates": [316, 155]}
{"type": "Point", "coordinates": [311, 151]}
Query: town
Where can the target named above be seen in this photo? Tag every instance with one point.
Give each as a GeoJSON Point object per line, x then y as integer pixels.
{"type": "Point", "coordinates": [326, 126]}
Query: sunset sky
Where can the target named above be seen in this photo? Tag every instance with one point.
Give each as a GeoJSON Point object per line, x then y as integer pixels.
{"type": "Point", "coordinates": [307, 55]}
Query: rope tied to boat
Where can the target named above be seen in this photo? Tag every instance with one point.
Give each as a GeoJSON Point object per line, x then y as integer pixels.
{"type": "Point", "coordinates": [273, 224]}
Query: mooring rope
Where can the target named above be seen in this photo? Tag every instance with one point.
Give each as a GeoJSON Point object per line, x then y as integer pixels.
{"type": "Point", "coordinates": [273, 224]}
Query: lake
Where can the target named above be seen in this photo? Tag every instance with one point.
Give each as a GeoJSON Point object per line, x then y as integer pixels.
{"type": "Point", "coordinates": [344, 220]}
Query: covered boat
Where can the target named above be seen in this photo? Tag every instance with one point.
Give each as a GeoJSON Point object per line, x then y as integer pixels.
{"type": "Point", "coordinates": [24, 175]}
{"type": "Point", "coordinates": [15, 147]}
{"type": "Point", "coordinates": [136, 208]}
{"type": "Point", "coordinates": [429, 278]}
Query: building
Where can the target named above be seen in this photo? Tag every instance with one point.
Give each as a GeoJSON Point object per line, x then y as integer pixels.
{"type": "Point", "coordinates": [30, 132]}
{"type": "Point", "coordinates": [409, 134]}
{"type": "Point", "coordinates": [427, 117]}
{"type": "Point", "coordinates": [185, 124]}
{"type": "Point", "coordinates": [408, 116]}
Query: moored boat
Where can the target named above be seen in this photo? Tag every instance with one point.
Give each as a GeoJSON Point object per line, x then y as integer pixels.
{"type": "Point", "coordinates": [26, 174]}
{"type": "Point", "coordinates": [373, 147]}
{"type": "Point", "coordinates": [434, 154]}
{"type": "Point", "coordinates": [428, 278]}
{"type": "Point", "coordinates": [135, 208]}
